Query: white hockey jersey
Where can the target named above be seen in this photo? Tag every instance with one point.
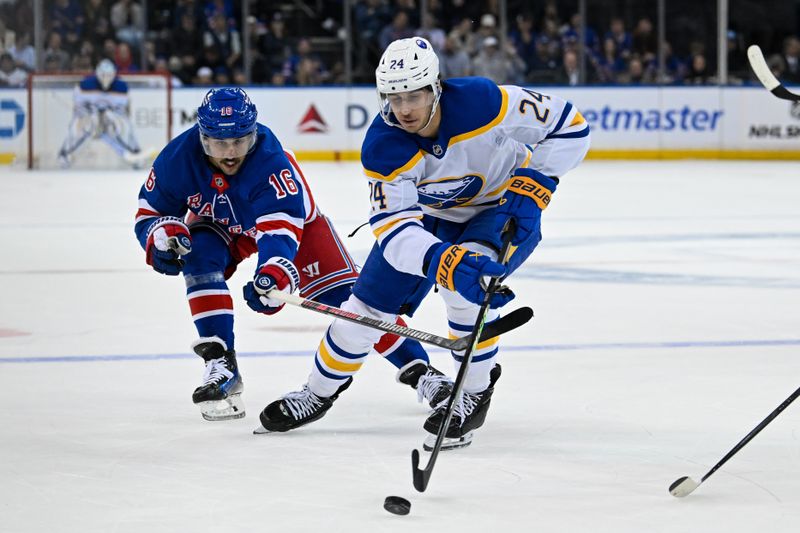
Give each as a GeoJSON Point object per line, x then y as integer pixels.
{"type": "Point", "coordinates": [486, 132]}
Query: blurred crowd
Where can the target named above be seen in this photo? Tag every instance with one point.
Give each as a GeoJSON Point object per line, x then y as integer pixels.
{"type": "Point", "coordinates": [201, 42]}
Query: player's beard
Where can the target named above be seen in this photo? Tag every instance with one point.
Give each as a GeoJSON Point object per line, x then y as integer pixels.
{"type": "Point", "coordinates": [228, 165]}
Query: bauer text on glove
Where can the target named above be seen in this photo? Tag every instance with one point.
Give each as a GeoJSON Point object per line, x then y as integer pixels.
{"type": "Point", "coordinates": [528, 194]}
{"type": "Point", "coordinates": [455, 268]}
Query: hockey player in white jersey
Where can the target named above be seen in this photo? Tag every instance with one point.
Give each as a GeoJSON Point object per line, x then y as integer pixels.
{"type": "Point", "coordinates": [101, 112]}
{"type": "Point", "coordinates": [448, 163]}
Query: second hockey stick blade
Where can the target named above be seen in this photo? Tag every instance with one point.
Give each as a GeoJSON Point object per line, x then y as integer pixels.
{"type": "Point", "coordinates": [504, 324]}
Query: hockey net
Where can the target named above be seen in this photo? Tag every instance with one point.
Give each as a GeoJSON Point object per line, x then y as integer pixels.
{"type": "Point", "coordinates": [51, 103]}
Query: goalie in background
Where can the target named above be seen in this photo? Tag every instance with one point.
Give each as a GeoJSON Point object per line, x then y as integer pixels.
{"type": "Point", "coordinates": [101, 112]}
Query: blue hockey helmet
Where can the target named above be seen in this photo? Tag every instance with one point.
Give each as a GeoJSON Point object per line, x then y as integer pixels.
{"type": "Point", "coordinates": [226, 113]}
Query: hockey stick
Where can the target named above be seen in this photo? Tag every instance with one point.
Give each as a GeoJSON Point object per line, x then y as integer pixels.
{"type": "Point", "coordinates": [685, 485]}
{"type": "Point", "coordinates": [504, 324]}
{"type": "Point", "coordinates": [766, 77]}
{"type": "Point", "coordinates": [421, 477]}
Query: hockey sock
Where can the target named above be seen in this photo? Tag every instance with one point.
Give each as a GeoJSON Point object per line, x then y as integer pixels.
{"type": "Point", "coordinates": [400, 351]}
{"type": "Point", "coordinates": [483, 358]}
{"type": "Point", "coordinates": [333, 364]}
{"type": "Point", "coordinates": [211, 305]}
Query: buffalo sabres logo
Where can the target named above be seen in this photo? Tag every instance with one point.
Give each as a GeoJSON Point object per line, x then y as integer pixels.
{"type": "Point", "coordinates": [449, 192]}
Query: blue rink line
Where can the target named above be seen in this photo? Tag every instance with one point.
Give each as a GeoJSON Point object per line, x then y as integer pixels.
{"type": "Point", "coordinates": [528, 348]}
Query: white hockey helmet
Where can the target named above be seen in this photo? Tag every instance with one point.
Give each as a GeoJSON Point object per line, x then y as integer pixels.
{"type": "Point", "coordinates": [105, 72]}
{"type": "Point", "coordinates": [407, 65]}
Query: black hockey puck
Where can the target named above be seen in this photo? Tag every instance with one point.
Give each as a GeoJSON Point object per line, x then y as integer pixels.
{"type": "Point", "coordinates": [397, 505]}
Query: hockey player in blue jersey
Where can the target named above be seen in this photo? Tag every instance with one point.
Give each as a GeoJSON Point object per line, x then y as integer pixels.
{"type": "Point", "coordinates": [448, 163]}
{"type": "Point", "coordinates": [101, 112]}
{"type": "Point", "coordinates": [226, 189]}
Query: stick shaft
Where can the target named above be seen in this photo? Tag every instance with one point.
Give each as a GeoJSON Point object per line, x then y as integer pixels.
{"type": "Point", "coordinates": [756, 430]}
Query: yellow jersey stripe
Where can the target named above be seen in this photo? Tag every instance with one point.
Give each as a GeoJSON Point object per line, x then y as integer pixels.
{"type": "Point", "coordinates": [334, 364]}
{"type": "Point", "coordinates": [577, 119]}
{"type": "Point", "coordinates": [487, 127]}
{"type": "Point", "coordinates": [481, 345]}
{"type": "Point", "coordinates": [411, 163]}
{"type": "Point", "coordinates": [383, 229]}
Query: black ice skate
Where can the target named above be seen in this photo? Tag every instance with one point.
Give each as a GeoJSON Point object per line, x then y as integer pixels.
{"type": "Point", "coordinates": [468, 415]}
{"type": "Point", "coordinates": [430, 384]}
{"type": "Point", "coordinates": [220, 395]}
{"type": "Point", "coordinates": [296, 409]}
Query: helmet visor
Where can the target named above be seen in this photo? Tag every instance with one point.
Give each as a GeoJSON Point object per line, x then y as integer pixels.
{"type": "Point", "coordinates": [406, 102]}
{"type": "Point", "coordinates": [228, 148]}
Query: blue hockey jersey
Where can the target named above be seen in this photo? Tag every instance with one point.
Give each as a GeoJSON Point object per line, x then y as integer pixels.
{"type": "Point", "coordinates": [267, 200]}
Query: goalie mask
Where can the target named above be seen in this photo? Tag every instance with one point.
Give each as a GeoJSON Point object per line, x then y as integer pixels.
{"type": "Point", "coordinates": [407, 69]}
{"type": "Point", "coordinates": [105, 72]}
{"type": "Point", "coordinates": [227, 122]}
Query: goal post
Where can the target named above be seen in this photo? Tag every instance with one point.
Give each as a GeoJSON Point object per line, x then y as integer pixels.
{"type": "Point", "coordinates": [51, 105]}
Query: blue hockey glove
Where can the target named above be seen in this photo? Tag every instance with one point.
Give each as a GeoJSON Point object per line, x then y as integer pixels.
{"type": "Point", "coordinates": [527, 196]}
{"type": "Point", "coordinates": [167, 240]}
{"type": "Point", "coordinates": [277, 273]}
{"type": "Point", "coordinates": [458, 269]}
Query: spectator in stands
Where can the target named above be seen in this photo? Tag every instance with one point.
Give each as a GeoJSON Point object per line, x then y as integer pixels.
{"type": "Point", "coordinates": [431, 31]}
{"type": "Point", "coordinates": [638, 72]}
{"type": "Point", "coordinates": [127, 19]}
{"type": "Point", "coordinates": [222, 77]}
{"type": "Point", "coordinates": [621, 37]}
{"type": "Point", "coordinates": [10, 74]}
{"type": "Point", "coordinates": [570, 35]}
{"type": "Point", "coordinates": [224, 8]}
{"type": "Point", "coordinates": [609, 65]}
{"type": "Point", "coordinates": [23, 52]}
{"type": "Point", "coordinates": [500, 66]}
{"type": "Point", "coordinates": [462, 31]}
{"type": "Point", "coordinates": [186, 43]}
{"type": "Point", "coordinates": [205, 76]}
{"type": "Point", "coordinates": [398, 29]}
{"type": "Point", "coordinates": [98, 21]}
{"type": "Point", "coordinates": [274, 46]}
{"type": "Point", "coordinates": [738, 67]}
{"type": "Point", "coordinates": [524, 40]}
{"type": "Point", "coordinates": [488, 28]}
{"type": "Point", "coordinates": [66, 18]}
{"type": "Point", "coordinates": [791, 58]}
{"type": "Point", "coordinates": [123, 59]}
{"type": "Point", "coordinates": [569, 74]}
{"type": "Point", "coordinates": [643, 40]}
{"type": "Point", "coordinates": [161, 66]}
{"type": "Point", "coordinates": [84, 60]}
{"type": "Point", "coordinates": [370, 17]}
{"type": "Point", "coordinates": [305, 67]}
{"type": "Point", "coordinates": [454, 62]}
{"type": "Point", "coordinates": [698, 70]}
{"type": "Point", "coordinates": [224, 38]}
{"type": "Point", "coordinates": [675, 69]}
{"type": "Point", "coordinates": [55, 54]}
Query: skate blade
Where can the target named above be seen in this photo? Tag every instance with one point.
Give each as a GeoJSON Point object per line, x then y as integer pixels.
{"type": "Point", "coordinates": [230, 408]}
{"type": "Point", "coordinates": [447, 444]}
{"type": "Point", "coordinates": [261, 430]}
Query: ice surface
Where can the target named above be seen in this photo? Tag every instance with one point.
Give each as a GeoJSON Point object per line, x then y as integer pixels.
{"type": "Point", "coordinates": [666, 300]}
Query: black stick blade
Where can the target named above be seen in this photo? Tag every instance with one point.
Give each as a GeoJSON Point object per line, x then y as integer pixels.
{"type": "Point", "coordinates": [419, 476]}
{"type": "Point", "coordinates": [504, 324]}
